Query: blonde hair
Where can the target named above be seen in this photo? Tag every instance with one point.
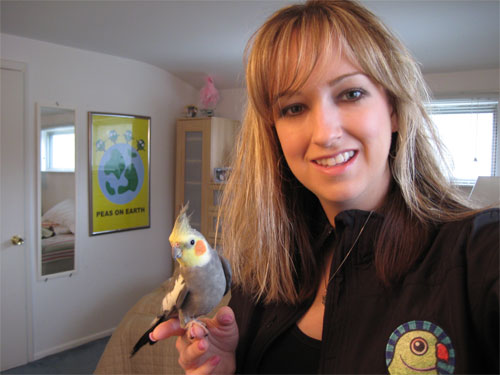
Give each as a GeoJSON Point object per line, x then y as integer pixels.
{"type": "Point", "coordinates": [267, 212]}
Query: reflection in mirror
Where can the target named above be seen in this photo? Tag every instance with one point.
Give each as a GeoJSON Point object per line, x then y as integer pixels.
{"type": "Point", "coordinates": [57, 189]}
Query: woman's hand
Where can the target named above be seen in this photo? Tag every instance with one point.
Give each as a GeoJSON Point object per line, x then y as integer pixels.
{"type": "Point", "coordinates": [200, 354]}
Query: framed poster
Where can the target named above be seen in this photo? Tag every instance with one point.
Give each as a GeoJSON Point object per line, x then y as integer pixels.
{"type": "Point", "coordinates": [119, 177]}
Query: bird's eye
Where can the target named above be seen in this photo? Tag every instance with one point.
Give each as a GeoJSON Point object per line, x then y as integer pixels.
{"type": "Point", "coordinates": [192, 242]}
{"type": "Point", "coordinates": [419, 346]}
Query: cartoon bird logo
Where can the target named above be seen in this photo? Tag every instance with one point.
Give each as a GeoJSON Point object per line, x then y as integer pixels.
{"type": "Point", "coordinates": [197, 285]}
{"type": "Point", "coordinates": [419, 347]}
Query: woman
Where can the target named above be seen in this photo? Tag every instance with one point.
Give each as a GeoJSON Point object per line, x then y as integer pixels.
{"type": "Point", "coordinates": [351, 251]}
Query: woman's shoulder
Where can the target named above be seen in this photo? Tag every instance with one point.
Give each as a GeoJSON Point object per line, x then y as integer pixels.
{"type": "Point", "coordinates": [486, 218]}
{"type": "Point", "coordinates": [481, 222]}
{"type": "Point", "coordinates": [473, 241]}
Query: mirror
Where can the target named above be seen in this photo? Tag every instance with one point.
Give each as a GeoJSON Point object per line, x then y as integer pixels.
{"type": "Point", "coordinates": [56, 171]}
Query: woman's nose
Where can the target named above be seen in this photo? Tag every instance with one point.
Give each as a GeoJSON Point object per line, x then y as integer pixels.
{"type": "Point", "coordinates": [327, 125]}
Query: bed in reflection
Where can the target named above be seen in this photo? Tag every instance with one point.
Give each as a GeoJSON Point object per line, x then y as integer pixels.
{"type": "Point", "coordinates": [58, 238]}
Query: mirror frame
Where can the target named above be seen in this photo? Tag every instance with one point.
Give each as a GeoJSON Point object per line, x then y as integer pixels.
{"type": "Point", "coordinates": [38, 221]}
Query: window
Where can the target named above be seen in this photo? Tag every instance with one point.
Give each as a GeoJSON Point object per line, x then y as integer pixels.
{"type": "Point", "coordinates": [58, 149]}
{"type": "Point", "coordinates": [468, 130]}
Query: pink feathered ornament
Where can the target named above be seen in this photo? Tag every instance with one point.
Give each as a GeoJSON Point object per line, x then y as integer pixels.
{"type": "Point", "coordinates": [209, 95]}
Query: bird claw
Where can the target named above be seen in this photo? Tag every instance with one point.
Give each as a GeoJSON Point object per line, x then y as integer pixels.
{"type": "Point", "coordinates": [190, 326]}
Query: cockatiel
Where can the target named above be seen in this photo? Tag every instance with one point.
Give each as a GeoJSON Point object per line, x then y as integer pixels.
{"type": "Point", "coordinates": [197, 285]}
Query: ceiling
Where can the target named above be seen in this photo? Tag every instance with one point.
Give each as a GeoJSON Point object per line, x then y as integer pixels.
{"type": "Point", "coordinates": [192, 39]}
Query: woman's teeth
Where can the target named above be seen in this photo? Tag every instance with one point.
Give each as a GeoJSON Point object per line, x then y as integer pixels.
{"type": "Point", "coordinates": [337, 159]}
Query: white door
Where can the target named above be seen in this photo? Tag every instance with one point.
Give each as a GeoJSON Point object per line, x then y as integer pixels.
{"type": "Point", "coordinates": [14, 325]}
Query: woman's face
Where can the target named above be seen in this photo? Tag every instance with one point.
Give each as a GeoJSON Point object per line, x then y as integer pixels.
{"type": "Point", "coordinates": [335, 133]}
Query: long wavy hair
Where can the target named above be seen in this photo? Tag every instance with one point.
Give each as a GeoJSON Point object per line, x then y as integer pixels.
{"type": "Point", "coordinates": [269, 217]}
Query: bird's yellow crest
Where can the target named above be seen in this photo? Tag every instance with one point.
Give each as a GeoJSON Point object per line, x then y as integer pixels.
{"type": "Point", "coordinates": [181, 226]}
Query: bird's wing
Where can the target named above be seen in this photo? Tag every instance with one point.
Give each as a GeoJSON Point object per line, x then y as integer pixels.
{"type": "Point", "coordinates": [227, 272]}
{"type": "Point", "coordinates": [176, 293]}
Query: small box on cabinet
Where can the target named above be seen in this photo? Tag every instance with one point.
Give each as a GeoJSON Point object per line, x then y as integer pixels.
{"type": "Point", "coordinates": [221, 174]}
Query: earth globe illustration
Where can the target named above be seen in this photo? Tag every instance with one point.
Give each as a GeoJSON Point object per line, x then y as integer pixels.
{"type": "Point", "coordinates": [121, 173]}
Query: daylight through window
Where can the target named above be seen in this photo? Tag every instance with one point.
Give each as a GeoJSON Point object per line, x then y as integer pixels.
{"type": "Point", "coordinates": [58, 149]}
{"type": "Point", "coordinates": [468, 129]}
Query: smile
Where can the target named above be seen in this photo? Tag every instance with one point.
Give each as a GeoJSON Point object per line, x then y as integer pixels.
{"type": "Point", "coordinates": [341, 158]}
{"type": "Point", "coordinates": [417, 369]}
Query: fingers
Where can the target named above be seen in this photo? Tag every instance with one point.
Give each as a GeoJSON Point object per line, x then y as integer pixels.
{"type": "Point", "coordinates": [191, 357]}
{"type": "Point", "coordinates": [202, 354]}
{"type": "Point", "coordinates": [167, 329]}
{"type": "Point", "coordinates": [223, 322]}
{"type": "Point", "coordinates": [207, 368]}
{"type": "Point", "coordinates": [190, 352]}
{"type": "Point", "coordinates": [225, 316]}
{"type": "Point", "coordinates": [197, 331]}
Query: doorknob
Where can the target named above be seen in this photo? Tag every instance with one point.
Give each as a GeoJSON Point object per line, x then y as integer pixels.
{"type": "Point", "coordinates": [16, 240]}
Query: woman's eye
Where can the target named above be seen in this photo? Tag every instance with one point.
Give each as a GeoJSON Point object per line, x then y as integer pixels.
{"type": "Point", "coordinates": [353, 95]}
{"type": "Point", "coordinates": [292, 110]}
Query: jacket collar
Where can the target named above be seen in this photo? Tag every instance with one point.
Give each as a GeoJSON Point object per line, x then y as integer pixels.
{"type": "Point", "coordinates": [348, 225]}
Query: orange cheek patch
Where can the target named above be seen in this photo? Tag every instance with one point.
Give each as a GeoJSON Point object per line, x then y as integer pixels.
{"type": "Point", "coordinates": [200, 248]}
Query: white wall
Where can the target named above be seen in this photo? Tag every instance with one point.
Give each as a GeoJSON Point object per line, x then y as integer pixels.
{"type": "Point", "coordinates": [231, 104]}
{"type": "Point", "coordinates": [56, 187]}
{"type": "Point", "coordinates": [114, 270]}
{"type": "Point", "coordinates": [464, 83]}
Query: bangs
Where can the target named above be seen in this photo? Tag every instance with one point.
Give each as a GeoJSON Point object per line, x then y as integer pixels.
{"type": "Point", "coordinates": [286, 52]}
{"type": "Point", "coordinates": [295, 58]}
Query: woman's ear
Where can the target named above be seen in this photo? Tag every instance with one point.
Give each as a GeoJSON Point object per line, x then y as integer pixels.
{"type": "Point", "coordinates": [394, 121]}
{"type": "Point", "coordinates": [394, 112]}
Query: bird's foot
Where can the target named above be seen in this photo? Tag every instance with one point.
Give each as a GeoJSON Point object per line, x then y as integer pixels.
{"type": "Point", "coordinates": [192, 323]}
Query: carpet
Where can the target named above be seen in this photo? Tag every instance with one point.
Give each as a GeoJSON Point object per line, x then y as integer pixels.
{"type": "Point", "coordinates": [80, 360]}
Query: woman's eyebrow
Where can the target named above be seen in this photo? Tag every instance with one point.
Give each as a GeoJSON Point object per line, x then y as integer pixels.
{"type": "Point", "coordinates": [333, 82]}
{"type": "Point", "coordinates": [343, 77]}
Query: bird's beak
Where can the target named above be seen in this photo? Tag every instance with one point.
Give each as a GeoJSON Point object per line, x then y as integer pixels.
{"type": "Point", "coordinates": [442, 352]}
{"type": "Point", "coordinates": [176, 251]}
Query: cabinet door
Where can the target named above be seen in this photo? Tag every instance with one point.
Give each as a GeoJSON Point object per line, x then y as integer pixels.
{"type": "Point", "coordinates": [193, 171]}
{"type": "Point", "coordinates": [202, 145]}
{"type": "Point", "coordinates": [190, 173]}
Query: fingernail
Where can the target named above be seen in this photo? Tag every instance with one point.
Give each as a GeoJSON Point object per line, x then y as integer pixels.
{"type": "Point", "coordinates": [214, 361]}
{"type": "Point", "coordinates": [226, 319]}
{"type": "Point", "coordinates": [151, 337]}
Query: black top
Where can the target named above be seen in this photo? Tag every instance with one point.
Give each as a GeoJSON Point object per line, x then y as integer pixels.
{"type": "Point", "coordinates": [443, 317]}
{"type": "Point", "coordinates": [293, 352]}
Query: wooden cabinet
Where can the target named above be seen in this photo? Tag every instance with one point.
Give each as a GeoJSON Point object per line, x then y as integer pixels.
{"type": "Point", "coordinates": [203, 144]}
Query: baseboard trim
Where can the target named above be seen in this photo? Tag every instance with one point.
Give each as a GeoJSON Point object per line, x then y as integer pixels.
{"type": "Point", "coordinates": [73, 344]}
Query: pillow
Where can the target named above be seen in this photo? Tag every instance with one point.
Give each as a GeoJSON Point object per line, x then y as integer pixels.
{"type": "Point", "coordinates": [63, 213]}
{"type": "Point", "coordinates": [61, 229]}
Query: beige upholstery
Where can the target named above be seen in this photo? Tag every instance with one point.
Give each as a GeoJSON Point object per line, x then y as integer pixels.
{"type": "Point", "coordinates": [160, 358]}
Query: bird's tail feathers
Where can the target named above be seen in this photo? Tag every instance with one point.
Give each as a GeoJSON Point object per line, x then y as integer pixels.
{"type": "Point", "coordinates": [145, 339]}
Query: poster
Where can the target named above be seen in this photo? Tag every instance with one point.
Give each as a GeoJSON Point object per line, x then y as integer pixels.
{"type": "Point", "coordinates": [119, 175]}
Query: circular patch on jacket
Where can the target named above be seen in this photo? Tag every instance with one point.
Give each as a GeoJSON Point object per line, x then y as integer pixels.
{"type": "Point", "coordinates": [419, 346]}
